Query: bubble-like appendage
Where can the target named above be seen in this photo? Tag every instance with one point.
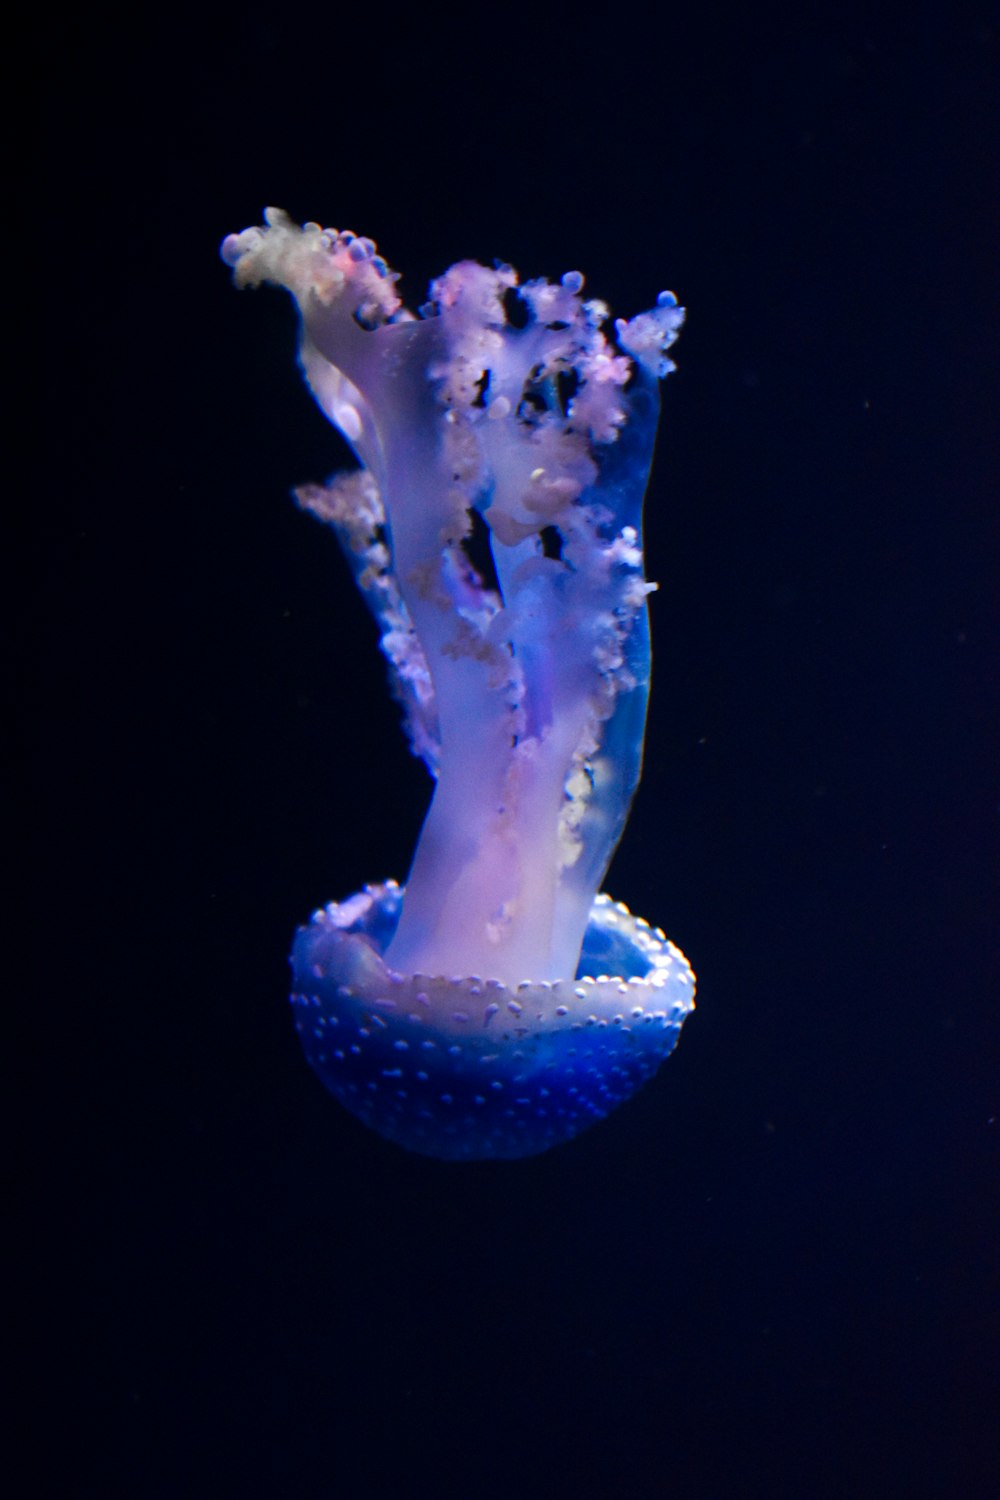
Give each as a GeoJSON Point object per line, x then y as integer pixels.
{"type": "Point", "coordinates": [467, 1069]}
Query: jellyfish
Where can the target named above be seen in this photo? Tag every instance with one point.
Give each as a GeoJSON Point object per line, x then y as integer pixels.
{"type": "Point", "coordinates": [498, 1004]}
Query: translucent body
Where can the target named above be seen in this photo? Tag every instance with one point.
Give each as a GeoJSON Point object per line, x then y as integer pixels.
{"type": "Point", "coordinates": [466, 1067]}
{"type": "Point", "coordinates": [523, 679]}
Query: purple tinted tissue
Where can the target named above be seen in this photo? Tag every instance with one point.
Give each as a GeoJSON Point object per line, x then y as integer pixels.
{"type": "Point", "coordinates": [498, 1005]}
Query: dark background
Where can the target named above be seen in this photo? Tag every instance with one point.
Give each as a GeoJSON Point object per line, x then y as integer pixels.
{"type": "Point", "coordinates": [773, 1273]}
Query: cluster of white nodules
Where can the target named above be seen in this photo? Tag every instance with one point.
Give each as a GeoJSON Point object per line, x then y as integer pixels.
{"type": "Point", "coordinates": [312, 259]}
